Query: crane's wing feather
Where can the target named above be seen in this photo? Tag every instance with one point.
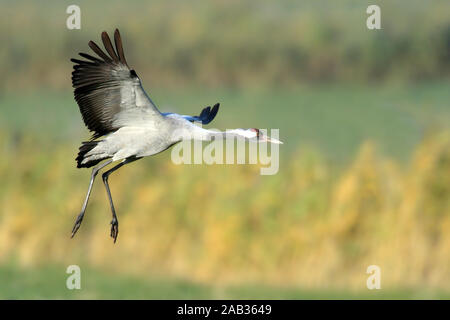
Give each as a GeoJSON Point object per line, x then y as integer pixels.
{"type": "Point", "coordinates": [206, 116]}
{"type": "Point", "coordinates": [108, 92]}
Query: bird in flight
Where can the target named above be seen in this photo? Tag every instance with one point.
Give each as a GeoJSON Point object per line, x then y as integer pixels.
{"type": "Point", "coordinates": [125, 122]}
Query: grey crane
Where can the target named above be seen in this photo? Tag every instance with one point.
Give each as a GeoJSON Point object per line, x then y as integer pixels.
{"type": "Point", "coordinates": [125, 122]}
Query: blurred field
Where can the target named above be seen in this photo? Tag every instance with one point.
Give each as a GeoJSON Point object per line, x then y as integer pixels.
{"type": "Point", "coordinates": [334, 119]}
{"type": "Point", "coordinates": [46, 283]}
{"type": "Point", "coordinates": [364, 172]}
{"type": "Point", "coordinates": [238, 43]}
{"type": "Point", "coordinates": [305, 226]}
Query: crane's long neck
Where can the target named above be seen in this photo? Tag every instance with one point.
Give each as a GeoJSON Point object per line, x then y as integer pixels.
{"type": "Point", "coordinates": [198, 133]}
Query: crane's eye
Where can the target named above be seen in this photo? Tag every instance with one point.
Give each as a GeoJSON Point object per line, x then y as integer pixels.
{"type": "Point", "coordinates": [257, 132]}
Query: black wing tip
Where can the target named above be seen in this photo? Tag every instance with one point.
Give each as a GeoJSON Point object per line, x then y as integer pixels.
{"type": "Point", "coordinates": [207, 115]}
{"type": "Point", "coordinates": [112, 54]}
{"type": "Point", "coordinates": [119, 47]}
{"type": "Point", "coordinates": [205, 112]}
{"type": "Point", "coordinates": [215, 109]}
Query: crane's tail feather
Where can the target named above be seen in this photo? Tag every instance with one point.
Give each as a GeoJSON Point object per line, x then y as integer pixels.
{"type": "Point", "coordinates": [86, 147]}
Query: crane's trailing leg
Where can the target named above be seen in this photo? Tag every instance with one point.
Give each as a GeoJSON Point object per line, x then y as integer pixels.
{"type": "Point", "coordinates": [83, 209]}
{"type": "Point", "coordinates": [105, 175]}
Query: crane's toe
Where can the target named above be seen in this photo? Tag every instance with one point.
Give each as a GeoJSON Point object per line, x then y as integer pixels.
{"type": "Point", "coordinates": [114, 229]}
{"type": "Point", "coordinates": [77, 225]}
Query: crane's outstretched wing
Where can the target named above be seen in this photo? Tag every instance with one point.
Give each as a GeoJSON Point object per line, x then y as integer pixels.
{"type": "Point", "coordinates": [108, 92]}
{"type": "Point", "coordinates": [206, 116]}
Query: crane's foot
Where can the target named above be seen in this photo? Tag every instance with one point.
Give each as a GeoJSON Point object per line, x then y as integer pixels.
{"type": "Point", "coordinates": [114, 229]}
{"type": "Point", "coordinates": [77, 225]}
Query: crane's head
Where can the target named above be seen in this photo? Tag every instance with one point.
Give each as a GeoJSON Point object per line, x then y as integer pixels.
{"type": "Point", "coordinates": [257, 135]}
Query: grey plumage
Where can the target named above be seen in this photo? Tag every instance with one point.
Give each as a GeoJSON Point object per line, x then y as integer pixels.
{"type": "Point", "coordinates": [108, 92]}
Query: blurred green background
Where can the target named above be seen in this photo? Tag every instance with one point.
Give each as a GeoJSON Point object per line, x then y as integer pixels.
{"type": "Point", "coordinates": [364, 170]}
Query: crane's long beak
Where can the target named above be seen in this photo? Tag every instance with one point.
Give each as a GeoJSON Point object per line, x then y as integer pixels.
{"type": "Point", "coordinates": [273, 140]}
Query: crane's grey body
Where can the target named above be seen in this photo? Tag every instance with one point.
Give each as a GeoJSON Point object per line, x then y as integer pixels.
{"type": "Point", "coordinates": [148, 139]}
{"type": "Point", "coordinates": [126, 123]}
{"type": "Point", "coordinates": [139, 141]}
